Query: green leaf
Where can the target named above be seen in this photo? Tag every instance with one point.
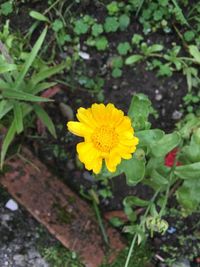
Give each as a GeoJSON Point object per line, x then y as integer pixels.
{"type": "Point", "coordinates": [188, 171]}
{"type": "Point", "coordinates": [46, 73]}
{"type": "Point", "coordinates": [117, 62]}
{"type": "Point", "coordinates": [6, 8]}
{"type": "Point", "coordinates": [133, 59]}
{"type": "Point", "coordinates": [148, 137]}
{"type": "Point", "coordinates": [124, 21]}
{"type": "Point", "coordinates": [5, 107]}
{"type": "Point", "coordinates": [135, 201]}
{"type": "Point", "coordinates": [158, 178]}
{"type": "Point", "coordinates": [7, 141]}
{"type": "Point", "coordinates": [139, 111]}
{"type": "Point", "coordinates": [191, 152]}
{"type": "Point", "coordinates": [57, 25]}
{"type": "Point", "coordinates": [42, 114]}
{"type": "Point", "coordinates": [136, 39]}
{"type": "Point", "coordinates": [154, 48]}
{"type": "Point", "coordinates": [101, 43]}
{"type": "Point", "coordinates": [111, 24]}
{"type": "Point", "coordinates": [41, 87]}
{"type": "Point", "coordinates": [134, 170]}
{"type": "Point", "coordinates": [81, 27]}
{"type": "Point", "coordinates": [112, 7]}
{"type": "Point", "coordinates": [194, 51]}
{"type": "Point", "coordinates": [38, 16]}
{"type": "Point", "coordinates": [123, 48]}
{"type": "Point", "coordinates": [18, 117]}
{"type": "Point", "coordinates": [165, 144]}
{"type": "Point", "coordinates": [18, 95]}
{"type": "Point", "coordinates": [189, 36]}
{"type": "Point", "coordinates": [116, 73]}
{"type": "Point", "coordinates": [6, 67]}
{"type": "Point", "coordinates": [30, 59]}
{"type": "Point", "coordinates": [97, 29]}
{"type": "Point", "coordinates": [188, 195]}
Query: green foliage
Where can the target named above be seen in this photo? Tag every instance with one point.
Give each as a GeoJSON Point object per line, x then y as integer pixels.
{"type": "Point", "coordinates": [60, 257]}
{"type": "Point", "coordinates": [6, 8]}
{"type": "Point", "coordinates": [123, 48]}
{"type": "Point", "coordinates": [19, 93]}
{"type": "Point", "coordinates": [80, 27]}
{"type": "Point", "coordinates": [111, 24]}
{"type": "Point", "coordinates": [101, 43]}
{"type": "Point", "coordinates": [124, 21]}
{"type": "Point", "coordinates": [97, 29]}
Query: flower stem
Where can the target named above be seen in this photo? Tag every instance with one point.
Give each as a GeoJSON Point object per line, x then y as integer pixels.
{"type": "Point", "coordinates": [130, 251]}
{"type": "Point", "coordinates": [100, 222]}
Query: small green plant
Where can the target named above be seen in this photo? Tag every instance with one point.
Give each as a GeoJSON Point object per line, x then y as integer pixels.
{"type": "Point", "coordinates": [60, 257]}
{"type": "Point", "coordinates": [19, 93]}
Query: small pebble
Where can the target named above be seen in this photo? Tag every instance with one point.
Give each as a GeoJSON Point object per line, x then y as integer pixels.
{"type": "Point", "coordinates": [84, 55]}
{"type": "Point", "coordinates": [12, 205]}
{"type": "Point", "coordinates": [177, 115]}
{"type": "Point", "coordinates": [158, 97]}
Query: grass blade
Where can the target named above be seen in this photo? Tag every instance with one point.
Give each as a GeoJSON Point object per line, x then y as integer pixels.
{"type": "Point", "coordinates": [30, 59]}
{"type": "Point", "coordinates": [44, 117]}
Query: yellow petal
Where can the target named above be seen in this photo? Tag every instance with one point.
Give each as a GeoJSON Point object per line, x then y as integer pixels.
{"type": "Point", "coordinates": [85, 116]}
{"type": "Point", "coordinates": [125, 125]}
{"type": "Point", "coordinates": [112, 161]}
{"type": "Point", "coordinates": [89, 156]}
{"type": "Point", "coordinates": [79, 129]}
{"type": "Point", "coordinates": [98, 112]}
{"type": "Point", "coordinates": [114, 115]}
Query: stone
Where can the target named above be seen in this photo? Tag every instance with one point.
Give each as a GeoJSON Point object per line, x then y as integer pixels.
{"type": "Point", "coordinates": [12, 205]}
{"type": "Point", "coordinates": [177, 115]}
{"type": "Point", "coordinates": [182, 263]}
{"type": "Point", "coordinates": [84, 55]}
{"type": "Point", "coordinates": [20, 260]}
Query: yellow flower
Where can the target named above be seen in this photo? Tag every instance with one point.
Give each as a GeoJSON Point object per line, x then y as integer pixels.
{"type": "Point", "coordinates": [108, 135]}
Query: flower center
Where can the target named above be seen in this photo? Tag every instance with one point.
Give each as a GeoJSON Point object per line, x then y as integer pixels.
{"type": "Point", "coordinates": [104, 138]}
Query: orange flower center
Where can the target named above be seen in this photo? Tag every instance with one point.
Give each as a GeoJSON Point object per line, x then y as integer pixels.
{"type": "Point", "coordinates": [104, 138]}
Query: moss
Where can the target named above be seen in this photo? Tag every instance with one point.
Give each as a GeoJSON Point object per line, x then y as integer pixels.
{"type": "Point", "coordinates": [141, 256]}
{"type": "Point", "coordinates": [63, 215]}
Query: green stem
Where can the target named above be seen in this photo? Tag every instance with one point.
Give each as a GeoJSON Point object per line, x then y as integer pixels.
{"type": "Point", "coordinates": [130, 251]}
{"type": "Point", "coordinates": [100, 222]}
{"type": "Point", "coordinates": [142, 224]}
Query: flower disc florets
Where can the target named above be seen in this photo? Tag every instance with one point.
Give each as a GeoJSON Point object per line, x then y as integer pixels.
{"type": "Point", "coordinates": [108, 135]}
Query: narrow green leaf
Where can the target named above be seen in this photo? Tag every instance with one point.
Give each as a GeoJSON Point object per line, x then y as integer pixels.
{"type": "Point", "coordinates": [133, 59]}
{"type": "Point", "coordinates": [194, 51]}
{"type": "Point", "coordinates": [18, 95]}
{"type": "Point", "coordinates": [30, 59]}
{"type": "Point", "coordinates": [42, 114]}
{"type": "Point", "coordinates": [44, 74]}
{"type": "Point", "coordinates": [38, 16]}
{"type": "Point", "coordinates": [18, 117]}
{"type": "Point", "coordinates": [5, 107]}
{"type": "Point", "coordinates": [7, 141]}
{"type": "Point", "coordinates": [135, 201]}
{"type": "Point", "coordinates": [41, 87]}
{"type": "Point", "coordinates": [7, 67]}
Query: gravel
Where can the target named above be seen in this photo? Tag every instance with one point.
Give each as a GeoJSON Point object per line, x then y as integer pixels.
{"type": "Point", "coordinates": [20, 238]}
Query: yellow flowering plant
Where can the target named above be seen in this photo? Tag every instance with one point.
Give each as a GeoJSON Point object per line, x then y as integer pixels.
{"type": "Point", "coordinates": [114, 143]}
